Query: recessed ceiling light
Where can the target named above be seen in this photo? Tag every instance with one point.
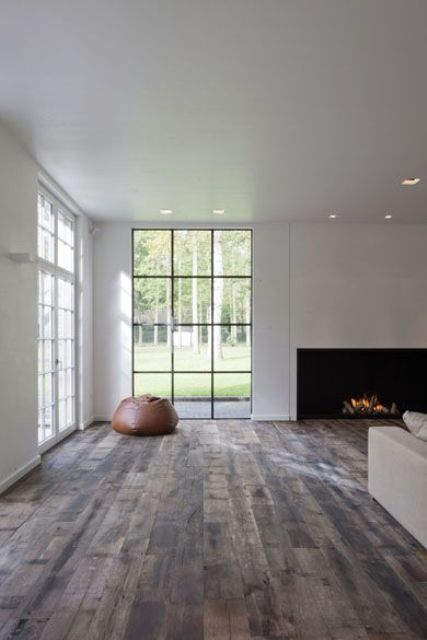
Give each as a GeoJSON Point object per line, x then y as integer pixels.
{"type": "Point", "coordinates": [388, 216]}
{"type": "Point", "coordinates": [166, 212]}
{"type": "Point", "coordinates": [332, 216]}
{"type": "Point", "coordinates": [218, 212]}
{"type": "Point", "coordinates": [410, 182]}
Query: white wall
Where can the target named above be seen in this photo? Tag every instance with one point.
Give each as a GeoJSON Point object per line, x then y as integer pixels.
{"type": "Point", "coordinates": [271, 322]}
{"type": "Point", "coordinates": [19, 176]}
{"type": "Point", "coordinates": [112, 317]}
{"type": "Point", "coordinates": [85, 248]}
{"type": "Point", "coordinates": [315, 285]}
{"type": "Point", "coordinates": [357, 285]}
{"type": "Point", "coordinates": [113, 312]}
{"type": "Point", "coordinates": [18, 316]}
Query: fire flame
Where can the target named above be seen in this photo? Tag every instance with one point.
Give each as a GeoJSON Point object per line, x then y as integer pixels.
{"type": "Point", "coordinates": [368, 404]}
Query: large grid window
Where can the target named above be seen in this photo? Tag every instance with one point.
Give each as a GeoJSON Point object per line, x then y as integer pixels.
{"type": "Point", "coordinates": [192, 319]}
{"type": "Point", "coordinates": [56, 325]}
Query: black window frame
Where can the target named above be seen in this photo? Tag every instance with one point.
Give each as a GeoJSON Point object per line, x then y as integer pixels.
{"type": "Point", "coordinates": [210, 277]}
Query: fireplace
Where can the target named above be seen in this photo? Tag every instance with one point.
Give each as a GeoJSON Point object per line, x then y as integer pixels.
{"type": "Point", "coordinates": [360, 383]}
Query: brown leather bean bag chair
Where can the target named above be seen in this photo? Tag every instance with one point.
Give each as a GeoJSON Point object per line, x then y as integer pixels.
{"type": "Point", "coordinates": [145, 416]}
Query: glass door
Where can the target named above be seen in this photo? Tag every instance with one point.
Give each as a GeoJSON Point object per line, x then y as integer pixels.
{"type": "Point", "coordinates": [192, 325]}
{"type": "Point", "coordinates": [56, 324]}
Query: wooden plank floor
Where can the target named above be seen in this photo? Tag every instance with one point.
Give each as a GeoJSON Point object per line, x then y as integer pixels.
{"type": "Point", "coordinates": [225, 530]}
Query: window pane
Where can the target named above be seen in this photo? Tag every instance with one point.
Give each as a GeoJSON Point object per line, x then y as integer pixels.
{"type": "Point", "coordinates": [158, 384]}
{"type": "Point", "coordinates": [45, 424]}
{"type": "Point", "coordinates": [65, 229]}
{"type": "Point", "coordinates": [40, 356]}
{"type": "Point", "coordinates": [46, 351]}
{"type": "Point", "coordinates": [232, 348]}
{"type": "Point", "coordinates": [61, 352]}
{"type": "Point", "coordinates": [192, 348]}
{"type": "Point", "coordinates": [232, 252]}
{"type": "Point", "coordinates": [62, 324]}
{"type": "Point", "coordinates": [65, 242]}
{"type": "Point", "coordinates": [46, 288]}
{"type": "Point", "coordinates": [46, 218]}
{"type": "Point", "coordinates": [46, 383]}
{"type": "Point", "coordinates": [191, 300]}
{"type": "Point", "coordinates": [65, 294]}
{"type": "Point", "coordinates": [43, 364]}
{"type": "Point", "coordinates": [152, 300]}
{"type": "Point", "coordinates": [62, 415]}
{"type": "Point", "coordinates": [62, 389]}
{"type": "Point", "coordinates": [192, 395]}
{"type": "Point", "coordinates": [65, 324]}
{"type": "Point", "coordinates": [46, 245]}
{"type": "Point", "coordinates": [46, 324]}
{"type": "Point", "coordinates": [65, 382]}
{"type": "Point", "coordinates": [69, 381]}
{"type": "Point", "coordinates": [232, 300]}
{"type": "Point", "coordinates": [232, 384]}
{"type": "Point", "coordinates": [41, 425]}
{"type": "Point", "coordinates": [40, 391]}
{"type": "Point", "coordinates": [49, 415]}
{"type": "Point", "coordinates": [192, 253]}
{"type": "Point", "coordinates": [65, 256]}
{"type": "Point", "coordinates": [69, 353]}
{"type": "Point", "coordinates": [70, 411]}
{"type": "Point", "coordinates": [152, 348]}
{"type": "Point", "coordinates": [65, 353]}
{"type": "Point", "coordinates": [232, 393]}
{"type": "Point", "coordinates": [152, 252]}
{"type": "Point", "coordinates": [46, 229]}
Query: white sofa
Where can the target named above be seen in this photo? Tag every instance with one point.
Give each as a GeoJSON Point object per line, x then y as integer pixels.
{"type": "Point", "coordinates": [397, 477]}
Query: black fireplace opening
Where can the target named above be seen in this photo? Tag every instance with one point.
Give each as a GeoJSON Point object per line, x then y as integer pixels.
{"type": "Point", "coordinates": [360, 383]}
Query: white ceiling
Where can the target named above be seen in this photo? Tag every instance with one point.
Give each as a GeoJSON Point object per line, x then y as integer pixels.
{"type": "Point", "coordinates": [269, 109]}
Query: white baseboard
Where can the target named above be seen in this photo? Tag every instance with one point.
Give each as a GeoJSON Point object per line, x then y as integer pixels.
{"type": "Point", "coordinates": [19, 473]}
{"type": "Point", "coordinates": [261, 418]}
{"type": "Point", "coordinates": [87, 423]}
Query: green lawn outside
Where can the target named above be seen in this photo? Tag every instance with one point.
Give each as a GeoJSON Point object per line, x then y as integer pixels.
{"type": "Point", "coordinates": [192, 384]}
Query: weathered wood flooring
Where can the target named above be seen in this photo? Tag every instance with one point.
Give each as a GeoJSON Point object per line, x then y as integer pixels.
{"type": "Point", "coordinates": [226, 530]}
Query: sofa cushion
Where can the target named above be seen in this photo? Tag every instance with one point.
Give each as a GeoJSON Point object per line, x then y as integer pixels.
{"type": "Point", "coordinates": [416, 423]}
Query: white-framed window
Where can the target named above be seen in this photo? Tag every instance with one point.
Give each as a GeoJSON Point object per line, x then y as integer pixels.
{"type": "Point", "coordinates": [56, 320]}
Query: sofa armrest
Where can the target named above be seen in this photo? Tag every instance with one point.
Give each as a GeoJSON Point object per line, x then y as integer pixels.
{"type": "Point", "coordinates": [397, 477]}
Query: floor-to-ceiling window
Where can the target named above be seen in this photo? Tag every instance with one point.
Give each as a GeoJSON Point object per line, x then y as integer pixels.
{"type": "Point", "coordinates": [192, 319]}
{"type": "Point", "coordinates": [56, 320]}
